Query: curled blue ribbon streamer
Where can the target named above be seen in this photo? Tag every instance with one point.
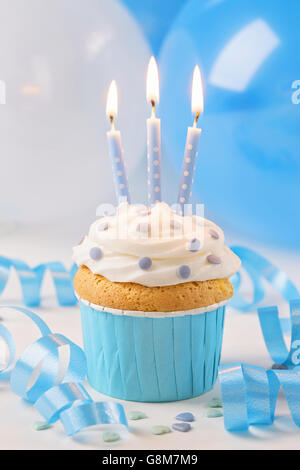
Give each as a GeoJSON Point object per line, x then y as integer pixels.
{"type": "Point", "coordinates": [86, 415]}
{"type": "Point", "coordinates": [56, 401]}
{"type": "Point", "coordinates": [31, 280]}
{"type": "Point", "coordinates": [59, 398]}
{"type": "Point", "coordinates": [273, 331]}
{"type": "Point", "coordinates": [8, 338]}
{"type": "Point", "coordinates": [45, 349]}
{"type": "Point", "coordinates": [260, 269]}
{"type": "Point", "coordinates": [249, 394]}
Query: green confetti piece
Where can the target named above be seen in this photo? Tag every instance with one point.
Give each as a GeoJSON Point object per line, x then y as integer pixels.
{"type": "Point", "coordinates": [135, 415]}
{"type": "Point", "coordinates": [110, 436]}
{"type": "Point", "coordinates": [215, 403]}
{"type": "Point", "coordinates": [214, 413]}
{"type": "Point", "coordinates": [160, 430]}
{"type": "Point", "coordinates": [41, 425]}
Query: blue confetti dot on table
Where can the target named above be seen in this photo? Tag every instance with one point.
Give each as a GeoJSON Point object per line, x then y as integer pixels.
{"type": "Point", "coordinates": [136, 415]}
{"type": "Point", "coordinates": [95, 253]}
{"type": "Point", "coordinates": [103, 226]}
{"type": "Point", "coordinates": [109, 436]}
{"type": "Point", "coordinates": [213, 259]}
{"type": "Point", "coordinates": [184, 271]}
{"type": "Point", "coordinates": [194, 245]}
{"type": "Point", "coordinates": [214, 413]}
{"type": "Point", "coordinates": [279, 367]}
{"type": "Point", "coordinates": [215, 403]}
{"type": "Point", "coordinates": [160, 429]}
{"type": "Point", "coordinates": [214, 234]}
{"type": "Point", "coordinates": [41, 425]}
{"type": "Point", "coordinates": [145, 263]}
{"type": "Point", "coordinates": [187, 416]}
{"type": "Point", "coordinates": [182, 427]}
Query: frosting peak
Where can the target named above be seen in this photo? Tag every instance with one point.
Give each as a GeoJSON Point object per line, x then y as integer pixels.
{"type": "Point", "coordinates": [155, 247]}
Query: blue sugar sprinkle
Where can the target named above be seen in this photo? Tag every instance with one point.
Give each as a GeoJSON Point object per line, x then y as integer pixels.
{"type": "Point", "coordinates": [184, 271]}
{"type": "Point", "coordinates": [145, 263]}
{"type": "Point", "coordinates": [214, 234]}
{"type": "Point", "coordinates": [189, 417]}
{"type": "Point", "coordinates": [213, 259]}
{"type": "Point", "coordinates": [95, 253]}
{"type": "Point", "coordinates": [182, 427]}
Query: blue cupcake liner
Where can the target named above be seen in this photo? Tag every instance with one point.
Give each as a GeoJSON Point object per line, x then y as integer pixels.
{"type": "Point", "coordinates": [147, 359]}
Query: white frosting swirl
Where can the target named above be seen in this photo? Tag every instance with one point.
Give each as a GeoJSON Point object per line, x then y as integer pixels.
{"type": "Point", "coordinates": [181, 249]}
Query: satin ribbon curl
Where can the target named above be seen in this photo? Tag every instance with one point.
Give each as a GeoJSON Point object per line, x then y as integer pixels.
{"type": "Point", "coordinates": [273, 329]}
{"type": "Point", "coordinates": [31, 280]}
{"type": "Point", "coordinates": [259, 270]}
{"type": "Point", "coordinates": [249, 394]}
{"type": "Point", "coordinates": [37, 370]}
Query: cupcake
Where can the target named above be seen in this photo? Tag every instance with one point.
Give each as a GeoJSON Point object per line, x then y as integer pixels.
{"type": "Point", "coordinates": [152, 287]}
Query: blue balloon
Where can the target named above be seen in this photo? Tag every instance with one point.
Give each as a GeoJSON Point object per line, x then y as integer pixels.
{"type": "Point", "coordinates": [248, 171]}
{"type": "Point", "coordinates": [155, 17]}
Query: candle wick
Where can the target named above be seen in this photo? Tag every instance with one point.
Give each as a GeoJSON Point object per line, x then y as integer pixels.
{"type": "Point", "coordinates": [112, 122]}
{"type": "Point", "coordinates": [153, 108]}
{"type": "Point", "coordinates": [196, 118]}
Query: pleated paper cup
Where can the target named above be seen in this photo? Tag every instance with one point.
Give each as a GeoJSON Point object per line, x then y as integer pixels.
{"type": "Point", "coordinates": [152, 357]}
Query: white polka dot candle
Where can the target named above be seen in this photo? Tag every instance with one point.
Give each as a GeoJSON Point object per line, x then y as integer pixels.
{"type": "Point", "coordinates": [115, 147]}
{"type": "Point", "coordinates": [192, 143]}
{"type": "Point", "coordinates": [153, 136]}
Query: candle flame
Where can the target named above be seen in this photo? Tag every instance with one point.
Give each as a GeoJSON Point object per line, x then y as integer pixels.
{"type": "Point", "coordinates": [112, 100]}
{"type": "Point", "coordinates": [152, 81]}
{"type": "Point", "coordinates": [197, 92]}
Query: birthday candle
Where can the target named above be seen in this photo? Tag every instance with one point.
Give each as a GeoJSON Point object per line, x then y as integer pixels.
{"type": "Point", "coordinates": [115, 147]}
{"type": "Point", "coordinates": [192, 143]}
{"type": "Point", "coordinates": [153, 136]}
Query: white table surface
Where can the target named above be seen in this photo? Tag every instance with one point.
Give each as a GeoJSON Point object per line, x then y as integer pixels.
{"type": "Point", "coordinates": [242, 342]}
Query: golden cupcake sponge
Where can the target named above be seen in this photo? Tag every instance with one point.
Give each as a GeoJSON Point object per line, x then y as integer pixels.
{"type": "Point", "coordinates": [131, 296]}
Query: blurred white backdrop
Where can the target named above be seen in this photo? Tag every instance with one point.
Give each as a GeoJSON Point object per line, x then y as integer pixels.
{"type": "Point", "coordinates": [57, 61]}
